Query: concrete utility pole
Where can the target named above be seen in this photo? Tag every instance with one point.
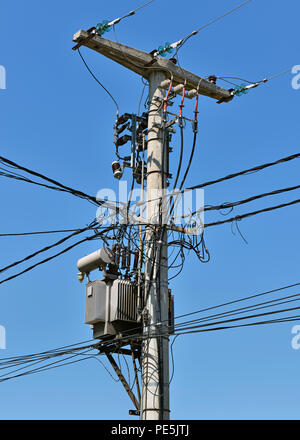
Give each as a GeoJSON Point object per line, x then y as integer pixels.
{"type": "Point", "coordinates": [155, 375]}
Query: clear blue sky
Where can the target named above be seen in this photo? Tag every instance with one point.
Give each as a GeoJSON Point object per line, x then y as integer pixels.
{"type": "Point", "coordinates": [55, 119]}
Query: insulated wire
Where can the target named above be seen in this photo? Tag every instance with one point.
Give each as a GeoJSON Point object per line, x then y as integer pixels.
{"type": "Point", "coordinates": [98, 81]}
{"type": "Point", "coordinates": [53, 256]}
{"type": "Point", "coordinates": [59, 242]}
{"type": "Point", "coordinates": [250, 214]}
{"type": "Point", "coordinates": [61, 186]}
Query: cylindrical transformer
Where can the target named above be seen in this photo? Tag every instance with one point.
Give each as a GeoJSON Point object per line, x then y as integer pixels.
{"type": "Point", "coordinates": [95, 260]}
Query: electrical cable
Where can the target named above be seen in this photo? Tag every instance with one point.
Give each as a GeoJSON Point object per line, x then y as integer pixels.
{"type": "Point", "coordinates": [73, 191]}
{"type": "Point", "coordinates": [19, 234]}
{"type": "Point", "coordinates": [53, 256]}
{"type": "Point", "coordinates": [238, 174]}
{"type": "Point", "coordinates": [181, 42]}
{"type": "Point", "coordinates": [98, 81]}
{"type": "Point", "coordinates": [249, 170]}
{"type": "Point", "coordinates": [227, 205]}
{"type": "Point", "coordinates": [250, 214]}
{"type": "Point", "coordinates": [57, 243]}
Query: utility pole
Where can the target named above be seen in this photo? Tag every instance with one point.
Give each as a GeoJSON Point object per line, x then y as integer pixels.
{"type": "Point", "coordinates": [159, 72]}
{"type": "Point", "coordinates": [155, 375]}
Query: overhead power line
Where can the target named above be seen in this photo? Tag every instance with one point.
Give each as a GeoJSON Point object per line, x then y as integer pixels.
{"type": "Point", "coordinates": [227, 205]}
{"type": "Point", "coordinates": [47, 248]}
{"type": "Point", "coordinates": [168, 48]}
{"type": "Point", "coordinates": [46, 260]}
{"type": "Point", "coordinates": [250, 324]}
{"type": "Point", "coordinates": [266, 304]}
{"type": "Point", "coordinates": [248, 171]}
{"type": "Point", "coordinates": [250, 214]}
{"type": "Point", "coordinates": [242, 318]}
{"type": "Point", "coordinates": [21, 234]}
{"type": "Point", "coordinates": [229, 303]}
{"type": "Point", "coordinates": [235, 301]}
{"type": "Point", "coordinates": [61, 186]}
{"type": "Point", "coordinates": [233, 175]}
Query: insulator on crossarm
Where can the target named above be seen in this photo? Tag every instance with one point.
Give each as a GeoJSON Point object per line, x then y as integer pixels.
{"type": "Point", "coordinates": [192, 93]}
{"type": "Point", "coordinates": [178, 89]}
{"type": "Point", "coordinates": [165, 84]}
{"type": "Point", "coordinates": [212, 79]}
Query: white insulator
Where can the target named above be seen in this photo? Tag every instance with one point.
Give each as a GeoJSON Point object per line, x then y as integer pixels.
{"type": "Point", "coordinates": [192, 93]}
{"type": "Point", "coordinates": [165, 84]}
{"type": "Point", "coordinates": [178, 89]}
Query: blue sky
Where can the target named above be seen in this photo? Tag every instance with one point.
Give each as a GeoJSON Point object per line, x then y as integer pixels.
{"type": "Point", "coordinates": [55, 119]}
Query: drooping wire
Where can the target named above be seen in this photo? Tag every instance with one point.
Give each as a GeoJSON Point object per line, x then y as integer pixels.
{"type": "Point", "coordinates": [58, 186]}
{"type": "Point", "coordinates": [98, 81]}
{"type": "Point", "coordinates": [46, 260]}
{"type": "Point", "coordinates": [250, 214]}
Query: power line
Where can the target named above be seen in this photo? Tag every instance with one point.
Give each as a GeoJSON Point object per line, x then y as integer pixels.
{"type": "Point", "coordinates": [178, 44]}
{"type": "Point", "coordinates": [250, 214]}
{"type": "Point", "coordinates": [60, 186]}
{"type": "Point", "coordinates": [257, 295]}
{"type": "Point", "coordinates": [247, 298]}
{"type": "Point", "coordinates": [266, 304]}
{"type": "Point", "coordinates": [57, 243]}
{"type": "Point", "coordinates": [265, 80]}
{"type": "Point", "coordinates": [21, 234]}
{"type": "Point", "coordinates": [248, 171]}
{"type": "Point", "coordinates": [241, 318]}
{"type": "Point", "coordinates": [227, 205]}
{"type": "Point", "coordinates": [234, 175]}
{"type": "Point", "coordinates": [46, 260]}
{"type": "Point", "coordinates": [212, 22]}
{"type": "Point", "coordinates": [98, 81]}
{"type": "Point", "coordinates": [274, 321]}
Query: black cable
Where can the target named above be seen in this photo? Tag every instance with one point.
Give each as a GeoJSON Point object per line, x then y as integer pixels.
{"type": "Point", "coordinates": [250, 170]}
{"type": "Point", "coordinates": [57, 243]}
{"type": "Point", "coordinates": [259, 306]}
{"type": "Point", "coordinates": [241, 173]}
{"type": "Point", "coordinates": [19, 234]}
{"type": "Point", "coordinates": [257, 295]}
{"type": "Point", "coordinates": [55, 182]}
{"type": "Point", "coordinates": [181, 156]}
{"type": "Point", "coordinates": [274, 321]}
{"type": "Point", "coordinates": [250, 214]}
{"type": "Point", "coordinates": [52, 257]}
{"type": "Point", "coordinates": [99, 82]}
{"type": "Point", "coordinates": [241, 318]}
{"type": "Point", "coordinates": [228, 205]}
{"type": "Point", "coordinates": [190, 161]}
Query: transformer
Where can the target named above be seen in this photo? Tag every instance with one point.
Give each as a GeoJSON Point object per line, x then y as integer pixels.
{"type": "Point", "coordinates": [111, 308]}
